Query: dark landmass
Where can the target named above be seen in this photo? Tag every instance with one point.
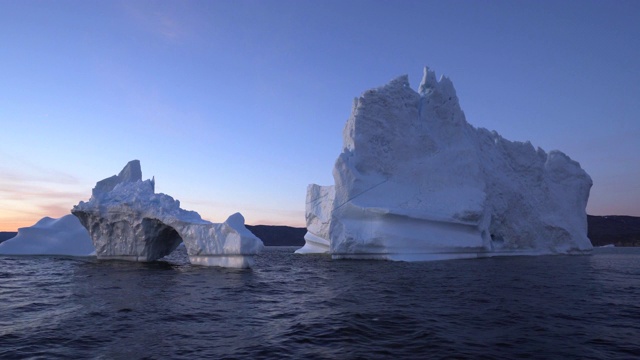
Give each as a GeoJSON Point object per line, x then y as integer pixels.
{"type": "Point", "coordinates": [617, 230]}
{"type": "Point", "coordinates": [270, 235]}
{"type": "Point", "coordinates": [603, 230]}
{"type": "Point", "coordinates": [6, 235]}
{"type": "Point", "coordinates": [278, 235]}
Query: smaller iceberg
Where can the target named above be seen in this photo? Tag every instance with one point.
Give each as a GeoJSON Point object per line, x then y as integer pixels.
{"type": "Point", "coordinates": [127, 220]}
{"type": "Point", "coordinates": [63, 236]}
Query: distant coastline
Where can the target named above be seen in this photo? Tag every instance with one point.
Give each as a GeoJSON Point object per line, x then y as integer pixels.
{"type": "Point", "coordinates": [615, 229]}
{"type": "Point", "coordinates": [275, 235]}
{"type": "Point", "coordinates": [603, 230]}
{"type": "Point", "coordinates": [6, 235]}
{"type": "Point", "coordinates": [271, 235]}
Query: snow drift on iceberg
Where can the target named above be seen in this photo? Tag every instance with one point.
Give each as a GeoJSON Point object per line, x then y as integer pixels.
{"type": "Point", "coordinates": [415, 181]}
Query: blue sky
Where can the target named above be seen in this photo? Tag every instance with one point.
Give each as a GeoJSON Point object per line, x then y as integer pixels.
{"type": "Point", "coordinates": [238, 105]}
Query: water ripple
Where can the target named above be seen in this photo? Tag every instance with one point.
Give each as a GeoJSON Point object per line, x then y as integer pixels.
{"type": "Point", "coordinates": [291, 306]}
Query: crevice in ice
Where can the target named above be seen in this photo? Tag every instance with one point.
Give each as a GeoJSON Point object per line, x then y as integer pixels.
{"type": "Point", "coordinates": [359, 194]}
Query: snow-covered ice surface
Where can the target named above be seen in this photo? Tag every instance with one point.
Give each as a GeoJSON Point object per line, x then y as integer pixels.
{"type": "Point", "coordinates": [127, 220]}
{"type": "Point", "coordinates": [63, 236]}
{"type": "Point", "coordinates": [229, 244]}
{"type": "Point", "coordinates": [415, 181]}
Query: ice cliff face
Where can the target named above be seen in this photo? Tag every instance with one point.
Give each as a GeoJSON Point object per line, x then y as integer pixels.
{"type": "Point", "coordinates": [318, 215]}
{"type": "Point", "coordinates": [415, 181]}
{"type": "Point", "coordinates": [128, 220]}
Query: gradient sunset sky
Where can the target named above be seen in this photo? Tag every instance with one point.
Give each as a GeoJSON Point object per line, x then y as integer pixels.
{"type": "Point", "coordinates": [238, 105]}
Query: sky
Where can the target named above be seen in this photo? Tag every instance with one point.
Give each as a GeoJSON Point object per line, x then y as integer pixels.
{"type": "Point", "coordinates": [236, 106]}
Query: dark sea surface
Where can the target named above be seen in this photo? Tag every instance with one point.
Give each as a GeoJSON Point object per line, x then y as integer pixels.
{"type": "Point", "coordinates": [308, 306]}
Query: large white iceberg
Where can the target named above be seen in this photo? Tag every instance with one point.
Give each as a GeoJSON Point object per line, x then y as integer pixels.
{"type": "Point", "coordinates": [63, 236]}
{"type": "Point", "coordinates": [127, 220]}
{"type": "Point", "coordinates": [415, 181]}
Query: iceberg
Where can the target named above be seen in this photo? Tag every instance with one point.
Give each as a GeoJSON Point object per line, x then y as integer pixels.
{"type": "Point", "coordinates": [415, 182]}
{"type": "Point", "coordinates": [63, 236]}
{"type": "Point", "coordinates": [127, 220]}
{"type": "Point", "coordinates": [318, 216]}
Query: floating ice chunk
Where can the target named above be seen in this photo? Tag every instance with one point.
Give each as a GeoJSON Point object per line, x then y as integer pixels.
{"type": "Point", "coordinates": [229, 244]}
{"type": "Point", "coordinates": [63, 236]}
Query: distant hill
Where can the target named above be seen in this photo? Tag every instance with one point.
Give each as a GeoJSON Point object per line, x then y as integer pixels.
{"type": "Point", "coordinates": [617, 230]}
{"type": "Point", "coordinates": [6, 235]}
{"type": "Point", "coordinates": [272, 235]}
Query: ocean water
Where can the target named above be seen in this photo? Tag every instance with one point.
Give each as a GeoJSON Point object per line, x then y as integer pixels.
{"type": "Point", "coordinates": [308, 306]}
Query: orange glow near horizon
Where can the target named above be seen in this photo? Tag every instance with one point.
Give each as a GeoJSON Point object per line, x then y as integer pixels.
{"type": "Point", "coordinates": [13, 226]}
{"type": "Point", "coordinates": [11, 221]}
{"type": "Point", "coordinates": [24, 211]}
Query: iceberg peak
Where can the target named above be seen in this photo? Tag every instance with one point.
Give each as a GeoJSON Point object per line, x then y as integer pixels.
{"type": "Point", "coordinates": [132, 172]}
{"type": "Point", "coordinates": [401, 82]}
{"type": "Point", "coordinates": [443, 87]}
{"type": "Point", "coordinates": [428, 82]}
